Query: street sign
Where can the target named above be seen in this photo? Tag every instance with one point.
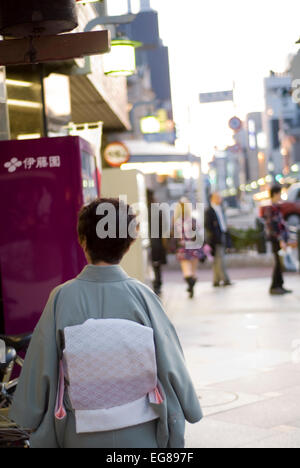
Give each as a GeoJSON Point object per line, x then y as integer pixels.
{"type": "Point", "coordinates": [53, 48]}
{"type": "Point", "coordinates": [116, 154]}
{"type": "Point", "coordinates": [207, 98]}
{"type": "Point", "coordinates": [235, 124]}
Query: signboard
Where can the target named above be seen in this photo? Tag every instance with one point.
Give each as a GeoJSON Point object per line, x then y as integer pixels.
{"type": "Point", "coordinates": [31, 163]}
{"type": "Point", "coordinates": [116, 154]}
{"type": "Point", "coordinates": [235, 124]}
{"type": "Point", "coordinates": [53, 48]}
{"type": "Point", "coordinates": [207, 98]}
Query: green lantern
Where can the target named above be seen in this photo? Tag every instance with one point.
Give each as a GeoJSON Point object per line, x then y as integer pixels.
{"type": "Point", "coordinates": [121, 60]}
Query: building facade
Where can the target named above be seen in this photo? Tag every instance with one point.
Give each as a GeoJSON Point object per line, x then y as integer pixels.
{"type": "Point", "coordinates": [256, 159]}
{"type": "Point", "coordinates": [42, 100]}
{"type": "Point", "coordinates": [152, 81]}
{"type": "Point", "coordinates": [281, 114]}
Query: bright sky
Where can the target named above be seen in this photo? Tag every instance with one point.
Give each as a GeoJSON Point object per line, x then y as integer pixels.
{"type": "Point", "coordinates": [213, 44]}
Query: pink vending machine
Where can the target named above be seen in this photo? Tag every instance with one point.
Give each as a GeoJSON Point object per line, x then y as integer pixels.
{"type": "Point", "coordinates": [43, 185]}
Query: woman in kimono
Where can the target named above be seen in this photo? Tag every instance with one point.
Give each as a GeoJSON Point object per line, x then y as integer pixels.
{"type": "Point", "coordinates": [104, 297]}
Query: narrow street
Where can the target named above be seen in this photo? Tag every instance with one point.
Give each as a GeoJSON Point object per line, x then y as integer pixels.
{"type": "Point", "coordinates": [242, 349]}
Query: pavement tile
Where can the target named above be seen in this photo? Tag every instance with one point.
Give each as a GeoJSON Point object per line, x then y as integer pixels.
{"type": "Point", "coordinates": [295, 424]}
{"type": "Point", "coordinates": [213, 402]}
{"type": "Point", "coordinates": [266, 415]}
{"type": "Point", "coordinates": [289, 440]}
{"type": "Point", "coordinates": [215, 434]}
{"type": "Point", "coordinates": [263, 383]}
{"type": "Point", "coordinates": [242, 348]}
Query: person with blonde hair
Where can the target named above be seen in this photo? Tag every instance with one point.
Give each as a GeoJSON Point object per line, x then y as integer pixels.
{"type": "Point", "coordinates": [189, 251]}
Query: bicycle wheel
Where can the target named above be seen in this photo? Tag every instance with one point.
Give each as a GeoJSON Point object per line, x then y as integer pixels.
{"type": "Point", "coordinates": [11, 436]}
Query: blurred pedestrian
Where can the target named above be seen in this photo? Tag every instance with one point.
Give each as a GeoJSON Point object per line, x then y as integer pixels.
{"type": "Point", "coordinates": [189, 251]}
{"type": "Point", "coordinates": [159, 227]}
{"type": "Point", "coordinates": [218, 237]}
{"type": "Point", "coordinates": [136, 392]}
{"type": "Point", "coordinates": [278, 234]}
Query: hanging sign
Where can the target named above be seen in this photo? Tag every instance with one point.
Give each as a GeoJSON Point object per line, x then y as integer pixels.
{"type": "Point", "coordinates": [116, 154]}
{"type": "Point", "coordinates": [235, 124]}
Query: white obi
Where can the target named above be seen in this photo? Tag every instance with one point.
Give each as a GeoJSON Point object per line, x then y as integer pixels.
{"type": "Point", "coordinates": [112, 373]}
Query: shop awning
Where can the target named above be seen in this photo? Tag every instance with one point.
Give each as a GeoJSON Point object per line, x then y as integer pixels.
{"type": "Point", "coordinates": [143, 152]}
{"type": "Point", "coordinates": [88, 105]}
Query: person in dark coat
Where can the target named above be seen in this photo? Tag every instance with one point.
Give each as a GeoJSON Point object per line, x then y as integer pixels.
{"type": "Point", "coordinates": [158, 242]}
{"type": "Point", "coordinates": [218, 238]}
{"type": "Point", "coordinates": [278, 234]}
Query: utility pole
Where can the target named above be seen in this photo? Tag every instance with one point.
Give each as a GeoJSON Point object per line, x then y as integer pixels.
{"type": "Point", "coordinates": [129, 6]}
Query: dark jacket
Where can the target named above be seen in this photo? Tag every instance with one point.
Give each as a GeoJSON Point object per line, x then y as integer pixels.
{"type": "Point", "coordinates": [276, 228]}
{"type": "Point", "coordinates": [158, 245]}
{"type": "Point", "coordinates": [213, 234]}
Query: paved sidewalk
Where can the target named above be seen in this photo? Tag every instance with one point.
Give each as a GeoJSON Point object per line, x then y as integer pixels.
{"type": "Point", "coordinates": [242, 347]}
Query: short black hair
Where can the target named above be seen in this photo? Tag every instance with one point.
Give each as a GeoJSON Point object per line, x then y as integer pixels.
{"type": "Point", "coordinates": [275, 190]}
{"type": "Point", "coordinates": [112, 248]}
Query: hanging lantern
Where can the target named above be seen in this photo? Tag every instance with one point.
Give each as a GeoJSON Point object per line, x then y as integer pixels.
{"type": "Point", "coordinates": [37, 17]}
{"type": "Point", "coordinates": [121, 60]}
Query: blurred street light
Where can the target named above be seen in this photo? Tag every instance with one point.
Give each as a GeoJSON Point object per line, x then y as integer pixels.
{"type": "Point", "coordinates": [150, 124]}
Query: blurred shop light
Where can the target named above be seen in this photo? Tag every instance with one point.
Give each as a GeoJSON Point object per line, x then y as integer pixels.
{"type": "Point", "coordinates": [229, 182]}
{"type": "Point", "coordinates": [121, 60]}
{"type": "Point", "coordinates": [29, 104]}
{"type": "Point", "coordinates": [269, 179]}
{"type": "Point", "coordinates": [21, 84]}
{"type": "Point", "coordinates": [279, 177]}
{"type": "Point", "coordinates": [29, 136]}
{"type": "Point", "coordinates": [295, 168]}
{"type": "Point", "coordinates": [196, 172]}
{"type": "Point", "coordinates": [254, 185]}
{"type": "Point", "coordinates": [243, 188]}
{"type": "Point", "coordinates": [262, 195]}
{"type": "Point", "coordinates": [262, 142]}
{"type": "Point", "coordinates": [261, 182]}
{"type": "Point", "coordinates": [57, 90]}
{"type": "Point", "coordinates": [150, 125]}
{"type": "Point", "coordinates": [271, 166]}
{"type": "Point", "coordinates": [229, 193]}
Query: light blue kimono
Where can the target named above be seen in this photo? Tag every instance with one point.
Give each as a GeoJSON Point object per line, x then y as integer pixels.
{"type": "Point", "coordinates": [103, 292]}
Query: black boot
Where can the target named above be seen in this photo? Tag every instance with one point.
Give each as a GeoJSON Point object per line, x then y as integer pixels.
{"type": "Point", "coordinates": [191, 284]}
